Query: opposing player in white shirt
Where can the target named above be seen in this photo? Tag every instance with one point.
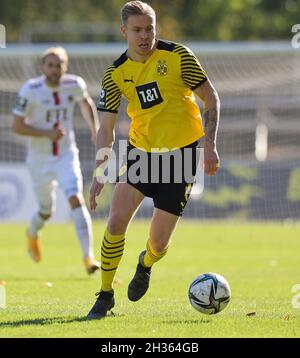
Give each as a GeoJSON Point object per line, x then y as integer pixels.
{"type": "Point", "coordinates": [44, 112]}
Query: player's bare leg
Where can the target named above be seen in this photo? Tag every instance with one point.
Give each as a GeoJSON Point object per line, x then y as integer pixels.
{"type": "Point", "coordinates": [83, 226]}
{"type": "Point", "coordinates": [125, 202]}
{"type": "Point", "coordinates": [161, 229]}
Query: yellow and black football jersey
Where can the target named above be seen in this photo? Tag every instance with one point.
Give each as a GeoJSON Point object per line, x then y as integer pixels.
{"type": "Point", "coordinates": [161, 103]}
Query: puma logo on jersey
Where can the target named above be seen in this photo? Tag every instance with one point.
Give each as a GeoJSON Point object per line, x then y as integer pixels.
{"type": "Point", "coordinates": [126, 80]}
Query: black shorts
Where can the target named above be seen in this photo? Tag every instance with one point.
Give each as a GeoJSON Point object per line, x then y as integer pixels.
{"type": "Point", "coordinates": [166, 177]}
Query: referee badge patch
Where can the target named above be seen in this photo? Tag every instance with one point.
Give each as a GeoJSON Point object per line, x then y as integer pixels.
{"type": "Point", "coordinates": [162, 68]}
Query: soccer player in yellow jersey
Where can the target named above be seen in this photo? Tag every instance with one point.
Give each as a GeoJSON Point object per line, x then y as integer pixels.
{"type": "Point", "coordinates": [159, 80]}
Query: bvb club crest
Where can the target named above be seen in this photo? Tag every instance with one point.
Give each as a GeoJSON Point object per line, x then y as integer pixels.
{"type": "Point", "coordinates": [162, 68]}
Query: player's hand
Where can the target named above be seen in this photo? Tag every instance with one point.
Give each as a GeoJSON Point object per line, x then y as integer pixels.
{"type": "Point", "coordinates": [94, 192]}
{"type": "Point", "coordinates": [56, 134]}
{"type": "Point", "coordinates": [211, 160]}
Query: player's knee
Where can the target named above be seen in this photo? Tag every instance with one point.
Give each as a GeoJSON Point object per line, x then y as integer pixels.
{"type": "Point", "coordinates": [116, 224]}
{"type": "Point", "coordinates": [76, 201]}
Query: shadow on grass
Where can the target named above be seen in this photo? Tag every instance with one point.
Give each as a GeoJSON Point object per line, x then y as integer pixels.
{"type": "Point", "coordinates": [46, 321]}
{"type": "Point", "coordinates": [41, 321]}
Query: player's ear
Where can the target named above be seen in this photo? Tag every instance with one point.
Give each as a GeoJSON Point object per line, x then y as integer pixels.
{"type": "Point", "coordinates": [124, 31]}
{"type": "Point", "coordinates": [157, 31]}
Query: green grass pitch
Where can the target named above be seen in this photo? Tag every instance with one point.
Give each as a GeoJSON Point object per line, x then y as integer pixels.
{"type": "Point", "coordinates": [260, 261]}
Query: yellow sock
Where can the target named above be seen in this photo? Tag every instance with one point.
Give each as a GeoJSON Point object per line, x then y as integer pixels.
{"type": "Point", "coordinates": [111, 253]}
{"type": "Point", "coordinates": [151, 256]}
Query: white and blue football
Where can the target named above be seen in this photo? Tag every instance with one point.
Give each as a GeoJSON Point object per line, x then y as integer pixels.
{"type": "Point", "coordinates": [209, 293]}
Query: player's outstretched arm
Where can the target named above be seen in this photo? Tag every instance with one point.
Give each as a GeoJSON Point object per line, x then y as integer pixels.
{"type": "Point", "coordinates": [89, 113]}
{"type": "Point", "coordinates": [22, 128]}
{"type": "Point", "coordinates": [104, 143]}
{"type": "Point", "coordinates": [211, 101]}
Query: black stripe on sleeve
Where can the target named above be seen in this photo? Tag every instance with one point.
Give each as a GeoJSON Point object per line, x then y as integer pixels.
{"type": "Point", "coordinates": [192, 72]}
{"type": "Point", "coordinates": [110, 96]}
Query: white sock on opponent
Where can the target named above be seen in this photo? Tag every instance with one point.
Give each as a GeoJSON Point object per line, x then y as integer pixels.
{"type": "Point", "coordinates": [36, 224]}
{"type": "Point", "coordinates": [83, 224]}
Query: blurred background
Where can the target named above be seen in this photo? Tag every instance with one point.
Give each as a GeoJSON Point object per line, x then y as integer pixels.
{"type": "Point", "coordinates": [245, 47]}
{"type": "Point", "coordinates": [199, 20]}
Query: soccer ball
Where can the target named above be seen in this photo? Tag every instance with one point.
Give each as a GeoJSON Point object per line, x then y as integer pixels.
{"type": "Point", "coordinates": [209, 293]}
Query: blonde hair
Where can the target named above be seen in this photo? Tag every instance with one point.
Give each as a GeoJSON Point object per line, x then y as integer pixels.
{"type": "Point", "coordinates": [58, 51]}
{"type": "Point", "coordinates": [136, 8]}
